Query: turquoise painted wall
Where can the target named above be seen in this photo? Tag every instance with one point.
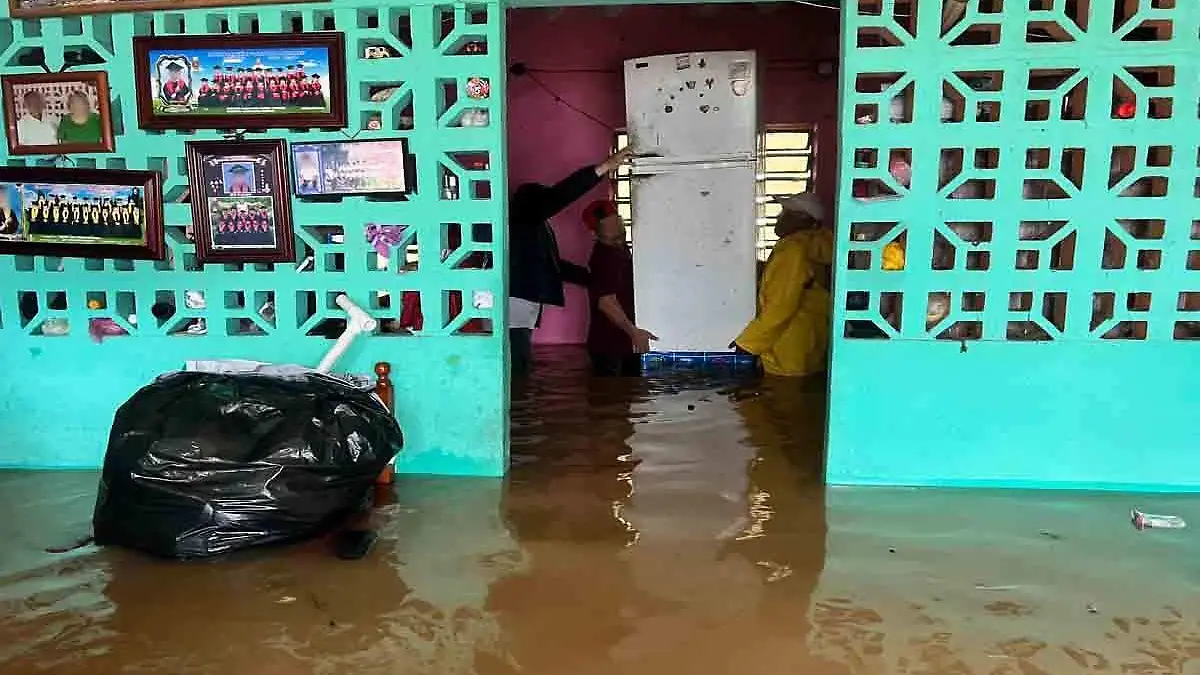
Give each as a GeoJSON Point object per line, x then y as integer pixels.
{"type": "Point", "coordinates": [1055, 216]}
{"type": "Point", "coordinates": [58, 393]}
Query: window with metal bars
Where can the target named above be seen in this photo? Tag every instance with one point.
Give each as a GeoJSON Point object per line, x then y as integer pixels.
{"type": "Point", "coordinates": [786, 157]}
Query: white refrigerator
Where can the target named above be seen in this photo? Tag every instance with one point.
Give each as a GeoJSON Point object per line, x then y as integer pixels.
{"type": "Point", "coordinates": [694, 209]}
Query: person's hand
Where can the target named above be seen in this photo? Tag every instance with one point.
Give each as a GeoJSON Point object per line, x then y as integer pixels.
{"type": "Point", "coordinates": [641, 340]}
{"type": "Point", "coordinates": [623, 155]}
{"type": "Point", "coordinates": [612, 163]}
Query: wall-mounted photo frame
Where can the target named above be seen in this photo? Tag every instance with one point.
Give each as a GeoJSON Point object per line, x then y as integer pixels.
{"type": "Point", "coordinates": [241, 201]}
{"type": "Point", "coordinates": [40, 9]}
{"type": "Point", "coordinates": [358, 167]}
{"type": "Point", "coordinates": [256, 81]}
{"type": "Point", "coordinates": [57, 113]}
{"type": "Point", "coordinates": [81, 213]}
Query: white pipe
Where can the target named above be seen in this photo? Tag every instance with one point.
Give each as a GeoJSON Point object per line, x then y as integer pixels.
{"type": "Point", "coordinates": [357, 321]}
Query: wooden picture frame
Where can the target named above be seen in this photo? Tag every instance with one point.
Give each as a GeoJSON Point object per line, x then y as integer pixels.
{"type": "Point", "coordinates": [54, 131]}
{"type": "Point", "coordinates": [40, 9]}
{"type": "Point", "coordinates": [81, 213]}
{"type": "Point", "coordinates": [185, 82]}
{"type": "Point", "coordinates": [241, 201]}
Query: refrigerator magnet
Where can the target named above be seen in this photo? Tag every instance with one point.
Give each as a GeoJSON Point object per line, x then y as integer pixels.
{"type": "Point", "coordinates": [683, 62]}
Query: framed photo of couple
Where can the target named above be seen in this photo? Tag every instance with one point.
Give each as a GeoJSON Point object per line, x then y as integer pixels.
{"type": "Point", "coordinates": [241, 202]}
{"type": "Point", "coordinates": [57, 113]}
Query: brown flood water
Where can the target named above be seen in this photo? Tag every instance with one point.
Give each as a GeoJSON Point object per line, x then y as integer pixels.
{"type": "Point", "coordinates": [671, 524]}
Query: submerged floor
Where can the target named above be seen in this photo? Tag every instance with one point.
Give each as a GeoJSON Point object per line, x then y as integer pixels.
{"type": "Point", "coordinates": [655, 526]}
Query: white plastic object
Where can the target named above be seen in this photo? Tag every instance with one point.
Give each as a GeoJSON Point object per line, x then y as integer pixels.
{"type": "Point", "coordinates": [357, 322]}
{"type": "Point", "coordinates": [482, 299]}
{"type": "Point", "coordinates": [194, 300]}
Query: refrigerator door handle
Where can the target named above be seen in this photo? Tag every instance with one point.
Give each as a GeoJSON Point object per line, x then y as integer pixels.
{"type": "Point", "coordinates": [648, 166]}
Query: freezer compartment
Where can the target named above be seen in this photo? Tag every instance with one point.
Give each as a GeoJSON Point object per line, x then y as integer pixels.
{"type": "Point", "coordinates": [700, 103]}
{"type": "Point", "coordinates": [694, 256]}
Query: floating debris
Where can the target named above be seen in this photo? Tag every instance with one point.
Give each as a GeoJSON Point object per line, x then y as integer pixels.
{"type": "Point", "coordinates": [1143, 521]}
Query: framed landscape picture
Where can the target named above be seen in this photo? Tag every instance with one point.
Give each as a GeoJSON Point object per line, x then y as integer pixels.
{"type": "Point", "coordinates": [36, 9]}
{"type": "Point", "coordinates": [256, 81]}
{"type": "Point", "coordinates": [57, 113]}
{"type": "Point", "coordinates": [241, 203]}
{"type": "Point", "coordinates": [81, 213]}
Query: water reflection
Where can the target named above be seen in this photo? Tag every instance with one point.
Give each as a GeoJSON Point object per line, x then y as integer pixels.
{"type": "Point", "coordinates": [669, 524]}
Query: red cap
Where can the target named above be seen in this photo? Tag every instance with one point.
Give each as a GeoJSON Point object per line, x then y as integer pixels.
{"type": "Point", "coordinates": [598, 211]}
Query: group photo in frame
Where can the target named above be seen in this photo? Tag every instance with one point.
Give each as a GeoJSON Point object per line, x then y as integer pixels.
{"type": "Point", "coordinates": [57, 113]}
{"type": "Point", "coordinates": [253, 81]}
{"type": "Point", "coordinates": [81, 213]}
{"type": "Point", "coordinates": [352, 167]}
{"type": "Point", "coordinates": [241, 202]}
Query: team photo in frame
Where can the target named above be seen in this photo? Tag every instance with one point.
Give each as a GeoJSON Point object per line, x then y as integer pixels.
{"type": "Point", "coordinates": [241, 201]}
{"type": "Point", "coordinates": [253, 81]}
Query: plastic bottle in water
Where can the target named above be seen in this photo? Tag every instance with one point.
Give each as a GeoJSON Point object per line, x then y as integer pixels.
{"type": "Point", "coordinates": [1143, 521]}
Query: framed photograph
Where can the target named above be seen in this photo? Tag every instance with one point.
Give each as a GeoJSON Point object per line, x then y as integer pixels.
{"type": "Point", "coordinates": [36, 9]}
{"type": "Point", "coordinates": [351, 167]}
{"type": "Point", "coordinates": [258, 81]}
{"type": "Point", "coordinates": [57, 113]}
{"type": "Point", "coordinates": [81, 213]}
{"type": "Point", "coordinates": [241, 204]}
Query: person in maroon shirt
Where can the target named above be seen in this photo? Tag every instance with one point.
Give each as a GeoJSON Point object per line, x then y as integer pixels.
{"type": "Point", "coordinates": [615, 343]}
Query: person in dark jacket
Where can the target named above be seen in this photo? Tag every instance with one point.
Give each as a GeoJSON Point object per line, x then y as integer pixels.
{"type": "Point", "coordinates": [536, 272]}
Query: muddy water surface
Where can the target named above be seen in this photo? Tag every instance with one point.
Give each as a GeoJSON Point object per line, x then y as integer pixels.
{"type": "Point", "coordinates": [670, 524]}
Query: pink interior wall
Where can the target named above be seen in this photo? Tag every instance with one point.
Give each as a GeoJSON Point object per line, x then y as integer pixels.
{"type": "Point", "coordinates": [578, 53]}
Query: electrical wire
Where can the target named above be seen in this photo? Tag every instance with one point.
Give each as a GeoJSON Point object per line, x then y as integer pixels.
{"type": "Point", "coordinates": [559, 99]}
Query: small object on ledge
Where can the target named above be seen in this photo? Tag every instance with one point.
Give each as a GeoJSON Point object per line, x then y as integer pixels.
{"type": "Point", "coordinates": [384, 237]}
{"type": "Point", "coordinates": [102, 328]}
{"type": "Point", "coordinates": [194, 300]}
{"type": "Point", "coordinates": [163, 310]}
{"type": "Point", "coordinates": [56, 327]}
{"type": "Point", "coordinates": [478, 88]}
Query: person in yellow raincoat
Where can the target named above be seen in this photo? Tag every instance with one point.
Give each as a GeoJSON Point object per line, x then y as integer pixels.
{"type": "Point", "coordinates": [790, 335]}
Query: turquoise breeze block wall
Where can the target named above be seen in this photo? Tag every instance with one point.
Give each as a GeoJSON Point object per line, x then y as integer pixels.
{"type": "Point", "coordinates": [58, 393]}
{"type": "Point", "coordinates": [1042, 332]}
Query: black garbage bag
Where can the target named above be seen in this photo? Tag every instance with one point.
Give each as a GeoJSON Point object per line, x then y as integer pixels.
{"type": "Point", "coordinates": [203, 464]}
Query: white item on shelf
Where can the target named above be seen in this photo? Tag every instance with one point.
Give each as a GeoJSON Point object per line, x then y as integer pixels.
{"type": "Point", "coordinates": [481, 299]}
{"type": "Point", "coordinates": [194, 300]}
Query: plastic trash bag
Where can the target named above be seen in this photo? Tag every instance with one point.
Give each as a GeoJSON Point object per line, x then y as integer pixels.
{"type": "Point", "coordinates": [202, 464]}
